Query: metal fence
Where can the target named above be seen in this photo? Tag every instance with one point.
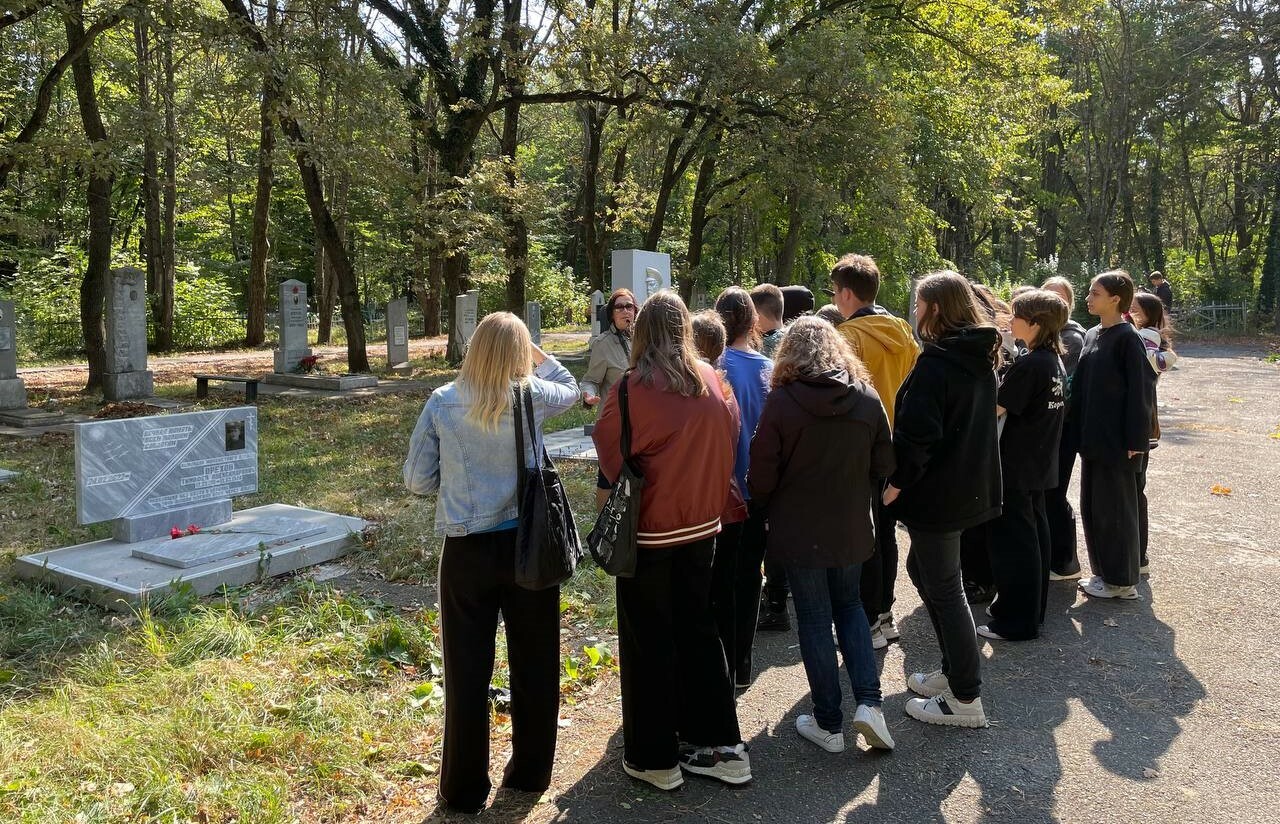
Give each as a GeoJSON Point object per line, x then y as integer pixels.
{"type": "Point", "coordinates": [1228, 317]}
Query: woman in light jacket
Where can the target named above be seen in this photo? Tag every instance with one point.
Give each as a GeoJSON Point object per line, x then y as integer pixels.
{"type": "Point", "coordinates": [463, 449]}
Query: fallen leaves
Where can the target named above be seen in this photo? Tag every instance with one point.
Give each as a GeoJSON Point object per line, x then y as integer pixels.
{"type": "Point", "coordinates": [1219, 489]}
{"type": "Point", "coordinates": [1147, 772]}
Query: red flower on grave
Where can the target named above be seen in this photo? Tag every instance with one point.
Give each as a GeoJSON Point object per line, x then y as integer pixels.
{"type": "Point", "coordinates": [175, 533]}
{"type": "Point", "coordinates": [192, 529]}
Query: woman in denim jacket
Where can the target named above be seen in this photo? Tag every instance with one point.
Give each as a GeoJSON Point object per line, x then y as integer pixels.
{"type": "Point", "coordinates": [463, 448]}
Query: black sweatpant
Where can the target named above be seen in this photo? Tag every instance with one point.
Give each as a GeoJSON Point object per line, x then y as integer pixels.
{"type": "Point", "coordinates": [775, 585]}
{"type": "Point", "coordinates": [880, 571]}
{"type": "Point", "coordinates": [933, 562]}
{"type": "Point", "coordinates": [1020, 563]}
{"type": "Point", "coordinates": [675, 686]}
{"type": "Point", "coordinates": [735, 590]}
{"type": "Point", "coordinates": [975, 556]}
{"type": "Point", "coordinates": [477, 582]}
{"type": "Point", "coordinates": [1109, 510]}
{"type": "Point", "coordinates": [1063, 557]}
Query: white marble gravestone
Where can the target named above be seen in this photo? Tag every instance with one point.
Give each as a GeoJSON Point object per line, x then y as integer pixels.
{"type": "Point", "coordinates": [126, 375]}
{"type": "Point", "coordinates": [153, 475]}
{"type": "Point", "coordinates": [13, 392]}
{"type": "Point", "coordinates": [397, 333]}
{"type": "Point", "coordinates": [641, 271]}
{"type": "Point", "coordinates": [533, 319]}
{"type": "Point", "coordinates": [467, 311]}
{"type": "Point", "coordinates": [293, 327]}
{"type": "Point", "coordinates": [597, 300]}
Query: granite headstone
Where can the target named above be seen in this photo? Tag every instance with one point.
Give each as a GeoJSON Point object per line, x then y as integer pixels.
{"type": "Point", "coordinates": [533, 319]}
{"type": "Point", "coordinates": [467, 309]}
{"type": "Point", "coordinates": [13, 393]}
{"type": "Point", "coordinates": [397, 332]}
{"type": "Point", "coordinates": [126, 375]}
{"type": "Point", "coordinates": [597, 300]}
{"type": "Point", "coordinates": [293, 327]}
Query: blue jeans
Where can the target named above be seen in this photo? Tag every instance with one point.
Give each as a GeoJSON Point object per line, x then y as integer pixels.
{"type": "Point", "coordinates": [824, 597]}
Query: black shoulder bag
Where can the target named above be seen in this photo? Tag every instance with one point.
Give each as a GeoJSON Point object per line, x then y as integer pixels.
{"type": "Point", "coordinates": [612, 540]}
{"type": "Point", "coordinates": [547, 545]}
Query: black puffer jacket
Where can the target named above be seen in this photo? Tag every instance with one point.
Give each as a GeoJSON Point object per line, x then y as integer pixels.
{"type": "Point", "coordinates": [819, 448]}
{"type": "Point", "coordinates": [944, 435]}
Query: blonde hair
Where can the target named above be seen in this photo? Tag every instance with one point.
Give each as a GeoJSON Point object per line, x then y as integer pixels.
{"type": "Point", "coordinates": [1065, 290]}
{"type": "Point", "coordinates": [812, 347]}
{"type": "Point", "coordinates": [500, 352]}
{"type": "Point", "coordinates": [662, 344]}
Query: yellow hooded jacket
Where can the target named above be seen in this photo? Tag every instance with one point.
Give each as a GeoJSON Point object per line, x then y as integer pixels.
{"type": "Point", "coordinates": [885, 344]}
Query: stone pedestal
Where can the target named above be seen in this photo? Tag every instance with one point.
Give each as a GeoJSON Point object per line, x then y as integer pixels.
{"type": "Point", "coordinates": [126, 376]}
{"type": "Point", "coordinates": [293, 327]}
{"type": "Point", "coordinates": [13, 393]}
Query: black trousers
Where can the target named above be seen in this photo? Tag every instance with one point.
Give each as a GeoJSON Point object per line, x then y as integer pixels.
{"type": "Point", "coordinates": [775, 585]}
{"type": "Point", "coordinates": [1143, 522]}
{"type": "Point", "coordinates": [933, 563]}
{"type": "Point", "coordinates": [735, 590]}
{"type": "Point", "coordinates": [476, 584]}
{"type": "Point", "coordinates": [1063, 557]}
{"type": "Point", "coordinates": [880, 571]}
{"type": "Point", "coordinates": [975, 556]}
{"type": "Point", "coordinates": [1020, 562]}
{"type": "Point", "coordinates": [1110, 512]}
{"type": "Point", "coordinates": [675, 686]}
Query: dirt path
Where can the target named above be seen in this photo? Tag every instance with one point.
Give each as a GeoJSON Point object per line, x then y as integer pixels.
{"type": "Point", "coordinates": [1158, 710]}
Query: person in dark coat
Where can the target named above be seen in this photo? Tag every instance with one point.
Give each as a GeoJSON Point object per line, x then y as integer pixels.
{"type": "Point", "coordinates": [1162, 289]}
{"type": "Point", "coordinates": [1064, 561]}
{"type": "Point", "coordinates": [947, 480]}
{"type": "Point", "coordinates": [820, 446]}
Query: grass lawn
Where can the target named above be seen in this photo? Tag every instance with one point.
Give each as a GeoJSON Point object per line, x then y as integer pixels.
{"type": "Point", "coordinates": [291, 700]}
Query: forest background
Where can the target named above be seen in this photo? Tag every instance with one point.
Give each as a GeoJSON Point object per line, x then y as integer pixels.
{"type": "Point", "coordinates": [383, 148]}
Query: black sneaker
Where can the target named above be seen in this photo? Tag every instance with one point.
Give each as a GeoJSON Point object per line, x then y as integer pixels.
{"type": "Point", "coordinates": [771, 621]}
{"type": "Point", "coordinates": [729, 764]}
{"type": "Point", "coordinates": [977, 593]}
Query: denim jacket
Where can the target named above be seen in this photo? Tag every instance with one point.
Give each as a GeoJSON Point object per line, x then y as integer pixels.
{"type": "Point", "coordinates": [474, 470]}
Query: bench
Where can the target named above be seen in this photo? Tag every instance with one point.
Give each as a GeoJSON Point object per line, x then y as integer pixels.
{"type": "Point", "coordinates": [250, 385]}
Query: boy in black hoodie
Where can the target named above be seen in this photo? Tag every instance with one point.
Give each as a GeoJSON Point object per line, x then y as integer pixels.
{"type": "Point", "coordinates": [947, 479]}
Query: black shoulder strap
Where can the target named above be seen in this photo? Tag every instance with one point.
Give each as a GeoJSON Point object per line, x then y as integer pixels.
{"type": "Point", "coordinates": [532, 423]}
{"type": "Point", "coordinates": [625, 408]}
{"type": "Point", "coordinates": [517, 423]}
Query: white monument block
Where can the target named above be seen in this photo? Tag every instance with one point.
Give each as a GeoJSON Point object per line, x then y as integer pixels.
{"type": "Point", "coordinates": [641, 271]}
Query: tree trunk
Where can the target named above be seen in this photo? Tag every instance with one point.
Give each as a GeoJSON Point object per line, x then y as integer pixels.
{"type": "Point", "coordinates": [150, 193]}
{"type": "Point", "coordinates": [592, 137]}
{"type": "Point", "coordinates": [1155, 235]}
{"type": "Point", "coordinates": [1269, 286]}
{"type": "Point", "coordinates": [169, 210]}
{"type": "Point", "coordinates": [517, 247]}
{"type": "Point", "coordinates": [698, 219]}
{"type": "Point", "coordinates": [791, 243]}
{"type": "Point", "coordinates": [256, 322]}
{"type": "Point", "coordinates": [93, 290]}
{"type": "Point", "coordinates": [1051, 190]}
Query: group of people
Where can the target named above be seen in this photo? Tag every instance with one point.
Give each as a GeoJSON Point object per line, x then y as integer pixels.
{"type": "Point", "coordinates": [797, 448]}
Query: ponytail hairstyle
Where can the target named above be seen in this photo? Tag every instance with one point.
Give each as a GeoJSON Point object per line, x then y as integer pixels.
{"type": "Point", "coordinates": [1048, 311]}
{"type": "Point", "coordinates": [1117, 283]}
{"type": "Point", "coordinates": [708, 335]}
{"type": "Point", "coordinates": [739, 315]}
{"type": "Point", "coordinates": [662, 345]}
{"type": "Point", "coordinates": [951, 307]}
{"type": "Point", "coordinates": [500, 352]}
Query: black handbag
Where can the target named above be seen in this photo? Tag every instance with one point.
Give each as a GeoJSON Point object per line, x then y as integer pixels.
{"type": "Point", "coordinates": [547, 544]}
{"type": "Point", "coordinates": [612, 540]}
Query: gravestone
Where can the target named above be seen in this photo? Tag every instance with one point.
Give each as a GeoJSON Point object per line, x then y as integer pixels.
{"type": "Point", "coordinates": [641, 271]}
{"type": "Point", "coordinates": [398, 334]}
{"type": "Point", "coordinates": [533, 319]}
{"type": "Point", "coordinates": [699, 299]}
{"type": "Point", "coordinates": [294, 347]}
{"type": "Point", "coordinates": [165, 483]}
{"type": "Point", "coordinates": [126, 376]}
{"type": "Point", "coordinates": [293, 327]}
{"type": "Point", "coordinates": [597, 300]}
{"type": "Point", "coordinates": [7, 475]}
{"type": "Point", "coordinates": [13, 392]}
{"type": "Point", "coordinates": [467, 310]}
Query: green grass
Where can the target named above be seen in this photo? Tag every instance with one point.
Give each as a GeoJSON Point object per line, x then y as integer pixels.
{"type": "Point", "coordinates": [283, 702]}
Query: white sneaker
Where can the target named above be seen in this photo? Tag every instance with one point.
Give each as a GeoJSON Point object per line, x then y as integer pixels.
{"type": "Point", "coordinates": [1098, 588]}
{"type": "Point", "coordinates": [987, 632]}
{"type": "Point", "coordinates": [889, 628]}
{"type": "Point", "coordinates": [662, 779]}
{"type": "Point", "coordinates": [808, 728]}
{"type": "Point", "coordinates": [1145, 569]}
{"type": "Point", "coordinates": [928, 684]}
{"type": "Point", "coordinates": [948, 711]}
{"type": "Point", "coordinates": [869, 721]}
{"type": "Point", "coordinates": [1070, 576]}
{"type": "Point", "coordinates": [878, 641]}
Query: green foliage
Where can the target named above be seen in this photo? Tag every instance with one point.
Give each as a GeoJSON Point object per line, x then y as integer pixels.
{"type": "Point", "coordinates": [46, 296]}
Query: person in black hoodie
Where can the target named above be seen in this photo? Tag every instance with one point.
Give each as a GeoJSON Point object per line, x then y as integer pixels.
{"type": "Point", "coordinates": [947, 479]}
{"type": "Point", "coordinates": [819, 449]}
{"type": "Point", "coordinates": [1112, 406]}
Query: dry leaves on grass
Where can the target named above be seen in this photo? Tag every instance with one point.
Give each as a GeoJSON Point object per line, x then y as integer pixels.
{"type": "Point", "coordinates": [1219, 489]}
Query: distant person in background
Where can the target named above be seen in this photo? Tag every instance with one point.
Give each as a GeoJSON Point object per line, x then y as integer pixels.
{"type": "Point", "coordinates": [831, 314]}
{"type": "Point", "coordinates": [769, 307]}
{"type": "Point", "coordinates": [796, 301]}
{"type": "Point", "coordinates": [463, 451]}
{"type": "Point", "coordinates": [1162, 289]}
{"type": "Point", "coordinates": [1064, 560]}
{"type": "Point", "coordinates": [886, 346]}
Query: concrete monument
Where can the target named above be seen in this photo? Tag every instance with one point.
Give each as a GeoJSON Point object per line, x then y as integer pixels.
{"type": "Point", "coordinates": [533, 319]}
{"type": "Point", "coordinates": [13, 392]}
{"type": "Point", "coordinates": [126, 376]}
{"type": "Point", "coordinates": [597, 300]}
{"type": "Point", "coordinates": [398, 334]}
{"type": "Point", "coordinates": [294, 347]}
{"type": "Point", "coordinates": [640, 271]}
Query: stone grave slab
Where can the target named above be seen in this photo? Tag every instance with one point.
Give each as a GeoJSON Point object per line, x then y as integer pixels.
{"type": "Point", "coordinates": [224, 541]}
{"type": "Point", "coordinates": [597, 300]}
{"type": "Point", "coordinates": [467, 310]}
{"type": "Point", "coordinates": [398, 334]}
{"type": "Point", "coordinates": [533, 320]}
{"type": "Point", "coordinates": [126, 376]}
{"type": "Point", "coordinates": [293, 327]}
{"type": "Point", "coordinates": [106, 572]}
{"type": "Point", "coordinates": [13, 392]}
{"type": "Point", "coordinates": [570, 445]}
{"type": "Point", "coordinates": [333, 383]}
{"type": "Point", "coordinates": [7, 475]}
{"type": "Point", "coordinates": [137, 468]}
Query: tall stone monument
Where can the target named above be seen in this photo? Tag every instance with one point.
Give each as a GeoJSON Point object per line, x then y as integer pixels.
{"type": "Point", "coordinates": [126, 376]}
{"type": "Point", "coordinates": [533, 319]}
{"type": "Point", "coordinates": [398, 334]}
{"type": "Point", "coordinates": [293, 327]}
{"type": "Point", "coordinates": [13, 392]}
{"type": "Point", "coordinates": [467, 311]}
{"type": "Point", "coordinates": [641, 271]}
{"type": "Point", "coordinates": [165, 483]}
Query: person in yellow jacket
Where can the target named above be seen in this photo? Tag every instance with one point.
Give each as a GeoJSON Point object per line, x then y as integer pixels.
{"type": "Point", "coordinates": [886, 345]}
